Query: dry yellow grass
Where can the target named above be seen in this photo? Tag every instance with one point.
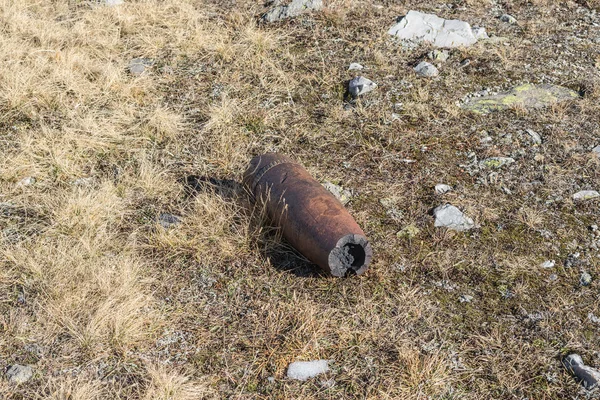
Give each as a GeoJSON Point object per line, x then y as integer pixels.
{"type": "Point", "coordinates": [105, 303]}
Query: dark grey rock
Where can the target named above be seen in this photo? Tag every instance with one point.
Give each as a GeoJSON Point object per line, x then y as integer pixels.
{"type": "Point", "coordinates": [588, 376]}
{"type": "Point", "coordinates": [360, 85]}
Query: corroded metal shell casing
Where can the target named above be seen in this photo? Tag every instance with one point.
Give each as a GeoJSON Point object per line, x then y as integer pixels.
{"type": "Point", "coordinates": [312, 219]}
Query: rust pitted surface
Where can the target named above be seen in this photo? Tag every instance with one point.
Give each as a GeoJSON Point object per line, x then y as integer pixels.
{"type": "Point", "coordinates": [311, 218]}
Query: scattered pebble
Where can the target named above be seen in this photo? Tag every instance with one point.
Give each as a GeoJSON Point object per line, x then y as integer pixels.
{"type": "Point", "coordinates": [19, 374]}
{"type": "Point", "coordinates": [303, 370]}
{"type": "Point", "coordinates": [138, 66]}
{"type": "Point", "coordinates": [593, 319]}
{"type": "Point", "coordinates": [83, 181]}
{"type": "Point", "coordinates": [426, 69]}
{"type": "Point", "coordinates": [596, 150]}
{"type": "Point", "coordinates": [355, 67]}
{"type": "Point", "coordinates": [466, 298]}
{"type": "Point", "coordinates": [535, 137]}
{"type": "Point", "coordinates": [465, 63]}
{"type": "Point", "coordinates": [585, 279]}
{"type": "Point", "coordinates": [168, 221]}
{"type": "Point", "coordinates": [360, 85]}
{"type": "Point", "coordinates": [585, 195]}
{"type": "Point", "coordinates": [509, 19]}
{"type": "Point", "coordinates": [343, 195]}
{"type": "Point", "coordinates": [452, 218]}
{"type": "Point", "coordinates": [589, 377]}
{"type": "Point", "coordinates": [442, 188]}
{"type": "Point", "coordinates": [438, 55]}
{"type": "Point", "coordinates": [294, 9]}
{"type": "Point", "coordinates": [30, 180]}
{"type": "Point", "coordinates": [553, 277]}
{"type": "Point", "coordinates": [548, 264]}
{"type": "Point", "coordinates": [419, 27]}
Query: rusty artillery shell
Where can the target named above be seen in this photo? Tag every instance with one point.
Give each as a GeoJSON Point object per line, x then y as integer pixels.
{"type": "Point", "coordinates": [311, 218]}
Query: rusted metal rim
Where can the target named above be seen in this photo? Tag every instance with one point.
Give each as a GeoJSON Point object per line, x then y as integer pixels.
{"type": "Point", "coordinates": [350, 256]}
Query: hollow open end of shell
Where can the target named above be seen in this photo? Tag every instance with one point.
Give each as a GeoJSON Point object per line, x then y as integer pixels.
{"type": "Point", "coordinates": [351, 256]}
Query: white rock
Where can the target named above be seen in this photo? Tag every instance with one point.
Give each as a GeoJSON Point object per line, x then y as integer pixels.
{"type": "Point", "coordinates": [137, 66]}
{"type": "Point", "coordinates": [355, 67]}
{"type": "Point", "coordinates": [18, 374]}
{"type": "Point", "coordinates": [303, 370]}
{"type": "Point", "coordinates": [426, 69]}
{"type": "Point", "coordinates": [548, 264]}
{"type": "Point", "coordinates": [420, 27]}
{"type": "Point", "coordinates": [30, 180]}
{"type": "Point", "coordinates": [480, 33]}
{"type": "Point", "coordinates": [466, 298]}
{"type": "Point", "coordinates": [295, 8]}
{"type": "Point", "coordinates": [509, 19]}
{"type": "Point", "coordinates": [537, 139]}
{"type": "Point", "coordinates": [596, 150]}
{"type": "Point", "coordinates": [442, 188]}
{"type": "Point", "coordinates": [452, 218]}
{"type": "Point", "coordinates": [585, 195]}
{"type": "Point", "coordinates": [360, 85]}
{"type": "Point", "coordinates": [112, 3]}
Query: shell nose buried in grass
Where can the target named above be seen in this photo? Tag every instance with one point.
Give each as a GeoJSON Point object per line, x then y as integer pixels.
{"type": "Point", "coordinates": [311, 218]}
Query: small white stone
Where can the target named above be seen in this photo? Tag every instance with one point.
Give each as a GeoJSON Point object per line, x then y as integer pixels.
{"type": "Point", "coordinates": [438, 55]}
{"type": "Point", "coordinates": [585, 195]}
{"type": "Point", "coordinates": [466, 298]}
{"type": "Point", "coordinates": [355, 67]}
{"type": "Point", "coordinates": [596, 150]}
{"type": "Point", "coordinates": [452, 218]}
{"type": "Point", "coordinates": [360, 85]}
{"type": "Point", "coordinates": [548, 264]}
{"type": "Point", "coordinates": [303, 370]}
{"type": "Point", "coordinates": [19, 374]}
{"type": "Point", "coordinates": [442, 188]}
{"type": "Point", "coordinates": [480, 33]}
{"type": "Point", "coordinates": [30, 180]}
{"type": "Point", "coordinates": [426, 69]}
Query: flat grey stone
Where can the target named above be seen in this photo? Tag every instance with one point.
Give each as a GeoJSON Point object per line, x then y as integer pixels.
{"type": "Point", "coordinates": [419, 27]}
{"type": "Point", "coordinates": [355, 67]}
{"type": "Point", "coordinates": [585, 195]}
{"type": "Point", "coordinates": [19, 374]}
{"type": "Point", "coordinates": [303, 370]}
{"type": "Point", "coordinates": [293, 9]}
{"type": "Point", "coordinates": [535, 137]}
{"type": "Point", "coordinates": [138, 66]}
{"type": "Point", "coordinates": [588, 376]}
{"type": "Point", "coordinates": [452, 218]}
{"type": "Point", "coordinates": [596, 150]}
{"type": "Point", "coordinates": [426, 70]}
{"type": "Point", "coordinates": [527, 96]}
{"type": "Point", "coordinates": [360, 85]}
{"type": "Point", "coordinates": [509, 19]}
